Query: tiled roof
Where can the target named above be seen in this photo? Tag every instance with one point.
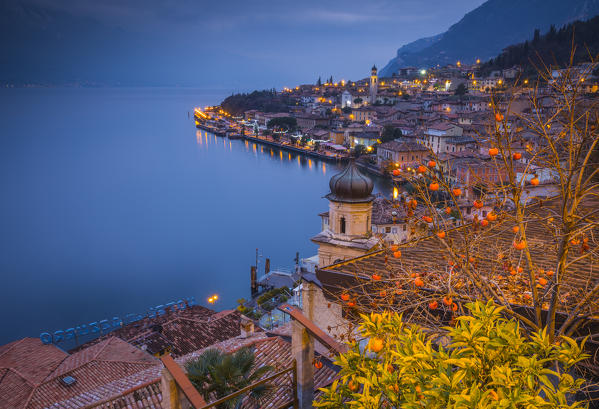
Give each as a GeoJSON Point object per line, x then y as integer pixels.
{"type": "Point", "coordinates": [143, 389]}
{"type": "Point", "coordinates": [32, 378]}
{"type": "Point", "coordinates": [181, 331]}
{"type": "Point", "coordinates": [493, 253]}
{"type": "Point", "coordinates": [112, 349]}
{"type": "Point", "coordinates": [31, 359]}
{"type": "Point", "coordinates": [403, 146]}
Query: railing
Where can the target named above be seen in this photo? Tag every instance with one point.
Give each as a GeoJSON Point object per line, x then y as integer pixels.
{"type": "Point", "coordinates": [196, 401]}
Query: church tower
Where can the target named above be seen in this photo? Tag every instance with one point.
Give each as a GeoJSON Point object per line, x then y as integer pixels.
{"type": "Point", "coordinates": [349, 230]}
{"type": "Point", "coordinates": [374, 84]}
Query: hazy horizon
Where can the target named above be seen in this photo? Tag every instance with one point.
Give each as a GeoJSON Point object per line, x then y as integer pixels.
{"type": "Point", "coordinates": [232, 46]}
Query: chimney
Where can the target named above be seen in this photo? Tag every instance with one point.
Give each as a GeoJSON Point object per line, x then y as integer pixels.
{"type": "Point", "coordinates": [246, 327]}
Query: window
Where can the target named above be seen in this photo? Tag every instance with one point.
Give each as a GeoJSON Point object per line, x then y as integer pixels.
{"type": "Point", "coordinates": [374, 229]}
{"type": "Point", "coordinates": [387, 229]}
{"type": "Point", "coordinates": [394, 230]}
{"type": "Point", "coordinates": [342, 225]}
{"type": "Point", "coordinates": [326, 220]}
{"type": "Point", "coordinates": [405, 227]}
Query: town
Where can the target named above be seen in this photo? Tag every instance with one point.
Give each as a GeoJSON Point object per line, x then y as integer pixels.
{"type": "Point", "coordinates": [472, 283]}
{"type": "Point", "coordinates": [391, 124]}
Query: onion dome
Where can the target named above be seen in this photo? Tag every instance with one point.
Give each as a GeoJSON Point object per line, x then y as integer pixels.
{"type": "Point", "coordinates": [374, 68]}
{"type": "Point", "coordinates": [351, 186]}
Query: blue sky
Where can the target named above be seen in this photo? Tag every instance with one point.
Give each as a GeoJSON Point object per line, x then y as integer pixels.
{"type": "Point", "coordinates": [219, 44]}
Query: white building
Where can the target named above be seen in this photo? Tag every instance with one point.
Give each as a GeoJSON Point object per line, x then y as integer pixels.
{"type": "Point", "coordinates": [346, 99]}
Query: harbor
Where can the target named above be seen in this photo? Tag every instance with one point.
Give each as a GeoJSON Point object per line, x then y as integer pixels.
{"type": "Point", "coordinates": [215, 121]}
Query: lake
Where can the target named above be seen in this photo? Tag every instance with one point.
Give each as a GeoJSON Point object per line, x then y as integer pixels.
{"type": "Point", "coordinates": [112, 202]}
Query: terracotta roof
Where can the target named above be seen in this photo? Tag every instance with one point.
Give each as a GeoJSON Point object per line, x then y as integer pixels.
{"type": "Point", "coordinates": [144, 388]}
{"type": "Point", "coordinates": [403, 146]}
{"type": "Point", "coordinates": [181, 331]}
{"type": "Point", "coordinates": [35, 371]}
{"type": "Point", "coordinates": [31, 359]}
{"type": "Point", "coordinates": [493, 253]}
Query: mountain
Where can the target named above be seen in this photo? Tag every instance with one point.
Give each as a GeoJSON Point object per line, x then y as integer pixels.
{"type": "Point", "coordinates": [487, 30]}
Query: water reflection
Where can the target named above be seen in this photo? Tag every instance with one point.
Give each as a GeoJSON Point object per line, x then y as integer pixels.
{"type": "Point", "coordinates": [381, 185]}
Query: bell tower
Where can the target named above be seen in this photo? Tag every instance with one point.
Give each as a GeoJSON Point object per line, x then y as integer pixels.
{"type": "Point", "coordinates": [349, 232]}
{"type": "Point", "coordinates": [374, 84]}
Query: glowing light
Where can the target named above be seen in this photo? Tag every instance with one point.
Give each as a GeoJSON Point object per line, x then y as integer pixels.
{"type": "Point", "coordinates": [213, 298]}
{"type": "Point", "coordinates": [395, 193]}
{"type": "Point", "coordinates": [423, 72]}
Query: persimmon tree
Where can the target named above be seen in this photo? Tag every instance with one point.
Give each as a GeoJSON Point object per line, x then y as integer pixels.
{"type": "Point", "coordinates": [485, 361]}
{"type": "Point", "coordinates": [522, 231]}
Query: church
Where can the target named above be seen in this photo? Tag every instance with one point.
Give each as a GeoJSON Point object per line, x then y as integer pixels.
{"type": "Point", "coordinates": [349, 230]}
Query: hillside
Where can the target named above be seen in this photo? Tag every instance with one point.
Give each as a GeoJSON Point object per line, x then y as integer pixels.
{"type": "Point", "coordinates": [487, 30]}
{"type": "Point", "coordinates": [265, 101]}
{"type": "Point", "coordinates": [553, 48]}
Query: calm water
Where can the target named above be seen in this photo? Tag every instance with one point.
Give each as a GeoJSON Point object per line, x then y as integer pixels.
{"type": "Point", "coordinates": [112, 202]}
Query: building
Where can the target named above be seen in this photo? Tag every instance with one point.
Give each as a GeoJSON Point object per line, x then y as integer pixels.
{"type": "Point", "coordinates": [366, 138]}
{"type": "Point", "coordinates": [390, 221]}
{"type": "Point", "coordinates": [177, 331]}
{"type": "Point", "coordinates": [400, 154]}
{"type": "Point", "coordinates": [347, 99]}
{"type": "Point", "coordinates": [112, 373]}
{"type": "Point", "coordinates": [309, 121]}
{"type": "Point", "coordinates": [35, 376]}
{"type": "Point", "coordinates": [427, 255]}
{"type": "Point", "coordinates": [348, 232]}
{"type": "Point", "coordinates": [439, 137]}
{"type": "Point", "coordinates": [363, 114]}
{"type": "Point", "coordinates": [374, 84]}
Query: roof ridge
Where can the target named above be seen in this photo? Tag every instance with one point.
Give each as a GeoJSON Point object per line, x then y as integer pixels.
{"type": "Point", "coordinates": [30, 396]}
{"type": "Point", "coordinates": [353, 259]}
{"type": "Point", "coordinates": [34, 385]}
{"type": "Point", "coordinates": [100, 350]}
{"type": "Point", "coordinates": [55, 374]}
{"type": "Point", "coordinates": [148, 363]}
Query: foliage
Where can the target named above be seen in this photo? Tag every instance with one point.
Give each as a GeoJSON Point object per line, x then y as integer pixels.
{"type": "Point", "coordinates": [346, 110]}
{"type": "Point", "coordinates": [359, 150]}
{"type": "Point", "coordinates": [552, 48]}
{"type": "Point", "coordinates": [269, 295]}
{"type": "Point", "coordinates": [390, 133]}
{"type": "Point", "coordinates": [265, 101]}
{"type": "Point", "coordinates": [286, 122]}
{"type": "Point", "coordinates": [461, 90]}
{"type": "Point", "coordinates": [482, 362]}
{"type": "Point", "coordinates": [358, 100]}
{"type": "Point", "coordinates": [241, 307]}
{"type": "Point", "coordinates": [216, 374]}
